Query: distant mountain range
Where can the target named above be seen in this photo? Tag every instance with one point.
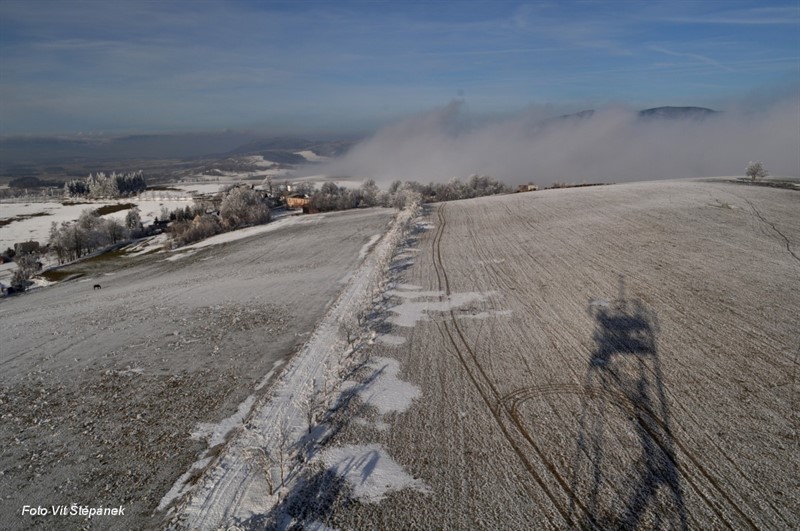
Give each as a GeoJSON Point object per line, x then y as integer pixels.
{"type": "Point", "coordinates": [19, 151]}
{"type": "Point", "coordinates": [670, 113]}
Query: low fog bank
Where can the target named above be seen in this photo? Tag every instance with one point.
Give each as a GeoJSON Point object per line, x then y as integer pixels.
{"type": "Point", "coordinates": [609, 145]}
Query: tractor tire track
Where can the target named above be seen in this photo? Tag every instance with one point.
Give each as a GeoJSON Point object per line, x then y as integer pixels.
{"type": "Point", "coordinates": [492, 397]}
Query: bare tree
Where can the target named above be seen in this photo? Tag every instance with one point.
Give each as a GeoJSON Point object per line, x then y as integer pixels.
{"type": "Point", "coordinates": [349, 328]}
{"type": "Point", "coordinates": [266, 461]}
{"type": "Point", "coordinates": [312, 404]}
{"type": "Point", "coordinates": [282, 448]}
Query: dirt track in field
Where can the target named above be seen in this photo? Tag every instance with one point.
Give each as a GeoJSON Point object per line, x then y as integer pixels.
{"type": "Point", "coordinates": [613, 357]}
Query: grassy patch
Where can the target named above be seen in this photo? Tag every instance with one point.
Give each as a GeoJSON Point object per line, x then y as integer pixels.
{"type": "Point", "coordinates": [104, 257]}
{"type": "Point", "coordinates": [110, 209]}
{"type": "Point", "coordinates": [57, 275]}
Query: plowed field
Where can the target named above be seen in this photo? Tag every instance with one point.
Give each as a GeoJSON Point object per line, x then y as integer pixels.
{"type": "Point", "coordinates": [610, 357]}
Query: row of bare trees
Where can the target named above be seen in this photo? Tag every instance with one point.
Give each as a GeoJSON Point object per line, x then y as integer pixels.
{"type": "Point", "coordinates": [277, 459]}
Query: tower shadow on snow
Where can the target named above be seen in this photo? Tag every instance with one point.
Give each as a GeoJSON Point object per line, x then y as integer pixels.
{"type": "Point", "coordinates": [625, 468]}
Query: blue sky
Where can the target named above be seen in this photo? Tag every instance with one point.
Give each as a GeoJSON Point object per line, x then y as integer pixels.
{"type": "Point", "coordinates": [309, 67]}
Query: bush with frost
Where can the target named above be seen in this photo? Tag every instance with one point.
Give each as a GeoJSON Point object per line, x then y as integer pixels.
{"type": "Point", "coordinates": [755, 170]}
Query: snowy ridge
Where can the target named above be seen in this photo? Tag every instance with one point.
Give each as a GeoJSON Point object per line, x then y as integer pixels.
{"type": "Point", "coordinates": [310, 156]}
{"type": "Point", "coordinates": [232, 489]}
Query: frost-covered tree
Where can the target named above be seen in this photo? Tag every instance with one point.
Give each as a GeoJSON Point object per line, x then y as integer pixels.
{"type": "Point", "coordinates": [103, 185]}
{"type": "Point", "coordinates": [27, 265]}
{"type": "Point", "coordinates": [115, 230]}
{"type": "Point", "coordinates": [243, 206]}
{"type": "Point", "coordinates": [68, 241]}
{"type": "Point", "coordinates": [56, 243]}
{"type": "Point", "coordinates": [133, 220]}
{"type": "Point", "coordinates": [76, 188]}
{"type": "Point", "coordinates": [755, 170]}
{"type": "Point", "coordinates": [267, 185]}
{"type": "Point", "coordinates": [201, 227]}
{"type": "Point", "coordinates": [369, 193]}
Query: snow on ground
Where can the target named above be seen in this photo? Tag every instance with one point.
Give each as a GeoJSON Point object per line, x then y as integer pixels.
{"type": "Point", "coordinates": [369, 471]}
{"type": "Point", "coordinates": [418, 305]}
{"type": "Point", "coordinates": [125, 374]}
{"type": "Point", "coordinates": [259, 161]}
{"type": "Point", "coordinates": [151, 209]}
{"type": "Point", "coordinates": [229, 491]}
{"type": "Point", "coordinates": [311, 156]}
{"type": "Point", "coordinates": [228, 237]}
{"type": "Point", "coordinates": [629, 364]}
{"type": "Point", "coordinates": [6, 272]}
{"type": "Point", "coordinates": [384, 390]}
{"type": "Point", "coordinates": [37, 228]}
{"type": "Point", "coordinates": [201, 187]}
{"type": "Point", "coordinates": [147, 245]}
{"type": "Point", "coordinates": [320, 179]}
{"type": "Point", "coordinates": [367, 246]}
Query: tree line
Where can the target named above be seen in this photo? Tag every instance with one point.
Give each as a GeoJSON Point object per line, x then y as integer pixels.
{"type": "Point", "coordinates": [332, 197]}
{"type": "Point", "coordinates": [102, 185]}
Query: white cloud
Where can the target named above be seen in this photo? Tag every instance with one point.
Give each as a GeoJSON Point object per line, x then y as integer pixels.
{"type": "Point", "coordinates": [614, 145]}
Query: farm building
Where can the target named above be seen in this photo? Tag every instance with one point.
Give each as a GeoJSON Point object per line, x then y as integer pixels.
{"type": "Point", "coordinates": [297, 200]}
{"type": "Point", "coordinates": [530, 187]}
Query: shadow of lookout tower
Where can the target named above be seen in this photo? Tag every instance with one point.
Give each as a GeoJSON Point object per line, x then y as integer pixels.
{"type": "Point", "coordinates": [625, 468]}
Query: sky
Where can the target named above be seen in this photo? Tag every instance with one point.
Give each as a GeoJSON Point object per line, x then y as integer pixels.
{"type": "Point", "coordinates": [307, 67]}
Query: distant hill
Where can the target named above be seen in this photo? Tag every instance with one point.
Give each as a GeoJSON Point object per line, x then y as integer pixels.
{"type": "Point", "coordinates": [36, 149]}
{"type": "Point", "coordinates": [16, 153]}
{"type": "Point", "coordinates": [678, 113]}
{"type": "Point", "coordinates": [284, 149]}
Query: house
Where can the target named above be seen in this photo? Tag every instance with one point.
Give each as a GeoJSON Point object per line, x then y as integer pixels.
{"type": "Point", "coordinates": [297, 200]}
{"type": "Point", "coordinates": [530, 187]}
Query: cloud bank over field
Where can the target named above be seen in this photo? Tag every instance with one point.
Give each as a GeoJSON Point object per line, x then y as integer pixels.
{"type": "Point", "coordinates": [609, 145]}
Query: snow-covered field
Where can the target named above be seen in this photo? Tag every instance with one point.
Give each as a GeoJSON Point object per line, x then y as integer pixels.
{"type": "Point", "coordinates": [31, 225]}
{"type": "Point", "coordinates": [613, 357]}
{"type": "Point", "coordinates": [609, 357]}
{"type": "Point", "coordinates": [108, 396]}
